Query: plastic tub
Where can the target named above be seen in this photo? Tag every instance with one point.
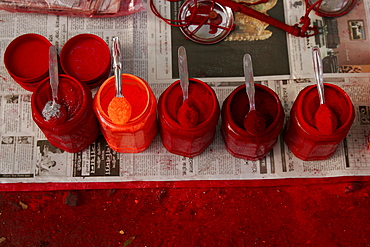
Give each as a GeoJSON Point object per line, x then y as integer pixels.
{"type": "Point", "coordinates": [137, 134]}
{"type": "Point", "coordinates": [178, 139]}
{"type": "Point", "coordinates": [86, 57]}
{"type": "Point", "coordinates": [239, 142]}
{"type": "Point", "coordinates": [81, 127]}
{"type": "Point", "coordinates": [300, 134]}
{"type": "Point", "coordinates": [26, 59]}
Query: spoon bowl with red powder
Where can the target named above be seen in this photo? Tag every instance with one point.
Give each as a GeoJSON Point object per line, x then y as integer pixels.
{"type": "Point", "coordinates": [137, 134]}
{"type": "Point", "coordinates": [325, 119]}
{"type": "Point", "coordinates": [119, 109]}
{"type": "Point", "coordinates": [254, 122]}
{"type": "Point", "coordinates": [188, 115]}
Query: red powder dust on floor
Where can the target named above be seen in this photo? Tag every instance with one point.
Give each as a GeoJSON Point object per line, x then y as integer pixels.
{"type": "Point", "coordinates": [328, 214]}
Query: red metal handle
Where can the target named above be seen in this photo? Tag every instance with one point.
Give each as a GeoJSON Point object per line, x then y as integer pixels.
{"type": "Point", "coordinates": [295, 30]}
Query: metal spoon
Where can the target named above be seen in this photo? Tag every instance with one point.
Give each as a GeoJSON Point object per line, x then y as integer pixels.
{"type": "Point", "coordinates": [119, 109]}
{"type": "Point", "coordinates": [325, 120]}
{"type": "Point", "coordinates": [319, 74]}
{"type": "Point", "coordinates": [183, 72]}
{"type": "Point", "coordinates": [254, 123]}
{"type": "Point", "coordinates": [187, 115]}
{"type": "Point", "coordinates": [54, 112]}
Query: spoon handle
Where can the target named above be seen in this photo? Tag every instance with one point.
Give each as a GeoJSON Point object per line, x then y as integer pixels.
{"type": "Point", "coordinates": [249, 81]}
{"type": "Point", "coordinates": [319, 75]}
{"type": "Point", "coordinates": [183, 71]}
{"type": "Point", "coordinates": [117, 66]}
{"type": "Point", "coordinates": [53, 71]}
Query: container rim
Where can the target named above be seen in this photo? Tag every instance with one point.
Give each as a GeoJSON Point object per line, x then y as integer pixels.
{"type": "Point", "coordinates": [174, 123]}
{"type": "Point", "coordinates": [243, 131]}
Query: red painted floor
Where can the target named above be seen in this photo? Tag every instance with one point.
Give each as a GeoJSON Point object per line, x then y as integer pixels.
{"type": "Point", "coordinates": [325, 214]}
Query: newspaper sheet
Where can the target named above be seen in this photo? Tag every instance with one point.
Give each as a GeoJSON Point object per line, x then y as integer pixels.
{"type": "Point", "coordinates": [343, 42]}
{"type": "Point", "coordinates": [26, 155]}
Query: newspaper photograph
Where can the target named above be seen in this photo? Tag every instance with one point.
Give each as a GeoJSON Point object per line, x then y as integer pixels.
{"type": "Point", "coordinates": [275, 53]}
{"type": "Point", "coordinates": [148, 51]}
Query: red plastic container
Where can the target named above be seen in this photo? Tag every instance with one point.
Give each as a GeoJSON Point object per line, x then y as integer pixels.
{"type": "Point", "coordinates": [183, 141]}
{"type": "Point", "coordinates": [138, 133]}
{"type": "Point", "coordinates": [27, 60]}
{"type": "Point", "coordinates": [81, 127]}
{"type": "Point", "coordinates": [86, 57]}
{"type": "Point", "coordinates": [303, 138]}
{"type": "Point", "coordinates": [237, 139]}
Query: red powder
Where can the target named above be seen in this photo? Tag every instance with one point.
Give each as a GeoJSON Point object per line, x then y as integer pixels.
{"type": "Point", "coordinates": [134, 95]}
{"type": "Point", "coordinates": [333, 99]}
{"type": "Point", "coordinates": [265, 105]}
{"type": "Point", "coordinates": [188, 116]}
{"type": "Point", "coordinates": [254, 123]}
{"type": "Point", "coordinates": [119, 110]}
{"type": "Point", "coordinates": [199, 97]}
{"type": "Point", "coordinates": [326, 122]}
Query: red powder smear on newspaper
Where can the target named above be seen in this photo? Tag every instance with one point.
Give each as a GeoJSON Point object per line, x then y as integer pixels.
{"type": "Point", "coordinates": [135, 96]}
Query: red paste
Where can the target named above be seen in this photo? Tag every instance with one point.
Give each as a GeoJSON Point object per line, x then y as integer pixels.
{"type": "Point", "coordinates": [265, 103]}
{"type": "Point", "coordinates": [334, 100]}
{"type": "Point", "coordinates": [134, 95]}
{"type": "Point", "coordinates": [199, 97]}
{"type": "Point", "coordinates": [188, 115]}
{"type": "Point", "coordinates": [254, 123]}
